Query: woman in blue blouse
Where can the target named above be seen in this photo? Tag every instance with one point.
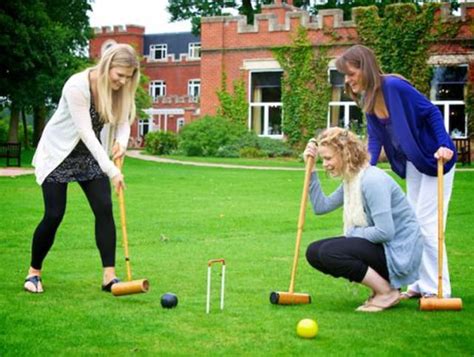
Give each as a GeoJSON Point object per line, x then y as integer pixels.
{"type": "Point", "coordinates": [411, 131]}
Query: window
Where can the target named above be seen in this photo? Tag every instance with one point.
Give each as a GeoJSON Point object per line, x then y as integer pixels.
{"type": "Point", "coordinates": [194, 50]}
{"type": "Point", "coordinates": [194, 88]}
{"type": "Point", "coordinates": [157, 89]}
{"type": "Point", "coordinates": [158, 52]}
{"type": "Point", "coordinates": [448, 83]}
{"type": "Point", "coordinates": [343, 111]}
{"type": "Point", "coordinates": [106, 45]}
{"type": "Point", "coordinates": [447, 93]}
{"type": "Point", "coordinates": [179, 124]}
{"type": "Point", "coordinates": [265, 103]}
{"type": "Point", "coordinates": [143, 127]}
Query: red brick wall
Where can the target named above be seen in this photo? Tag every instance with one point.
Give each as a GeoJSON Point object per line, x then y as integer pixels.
{"type": "Point", "coordinates": [226, 42]}
{"type": "Point", "coordinates": [132, 35]}
{"type": "Point", "coordinates": [175, 74]}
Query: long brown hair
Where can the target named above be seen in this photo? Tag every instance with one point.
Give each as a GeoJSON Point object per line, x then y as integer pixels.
{"type": "Point", "coordinates": [115, 106]}
{"type": "Point", "coordinates": [345, 143]}
{"type": "Point", "coordinates": [363, 58]}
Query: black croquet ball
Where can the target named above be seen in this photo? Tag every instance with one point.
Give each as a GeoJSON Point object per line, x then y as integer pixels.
{"type": "Point", "coordinates": [169, 300]}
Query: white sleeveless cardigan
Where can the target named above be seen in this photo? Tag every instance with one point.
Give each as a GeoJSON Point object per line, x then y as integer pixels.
{"type": "Point", "coordinates": [72, 122]}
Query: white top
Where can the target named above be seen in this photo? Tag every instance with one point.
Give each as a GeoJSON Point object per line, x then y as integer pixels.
{"type": "Point", "coordinates": [72, 122]}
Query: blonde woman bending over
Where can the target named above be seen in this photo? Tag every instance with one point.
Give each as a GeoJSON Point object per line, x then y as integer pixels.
{"type": "Point", "coordinates": [381, 246]}
{"type": "Point", "coordinates": [92, 121]}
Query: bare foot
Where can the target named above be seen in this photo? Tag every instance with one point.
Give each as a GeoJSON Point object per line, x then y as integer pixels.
{"type": "Point", "coordinates": [386, 300]}
{"type": "Point", "coordinates": [381, 302]}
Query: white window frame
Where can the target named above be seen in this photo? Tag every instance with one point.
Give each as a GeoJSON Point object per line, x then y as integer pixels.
{"type": "Point", "coordinates": [160, 49]}
{"type": "Point", "coordinates": [141, 124]}
{"type": "Point", "coordinates": [157, 85]}
{"type": "Point", "coordinates": [265, 107]}
{"type": "Point", "coordinates": [179, 124]}
{"type": "Point", "coordinates": [266, 118]}
{"type": "Point", "coordinates": [445, 112]}
{"type": "Point", "coordinates": [346, 106]}
{"type": "Point", "coordinates": [194, 50]}
{"type": "Point", "coordinates": [194, 85]}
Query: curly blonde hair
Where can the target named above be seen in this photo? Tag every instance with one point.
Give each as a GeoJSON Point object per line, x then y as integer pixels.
{"type": "Point", "coordinates": [353, 151]}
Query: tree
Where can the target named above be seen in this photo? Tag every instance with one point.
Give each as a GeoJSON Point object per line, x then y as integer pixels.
{"type": "Point", "coordinates": [401, 39]}
{"type": "Point", "coordinates": [41, 44]}
{"type": "Point", "coordinates": [195, 9]}
{"type": "Point", "coordinates": [347, 5]}
{"type": "Point", "coordinates": [142, 98]}
{"type": "Point", "coordinates": [233, 106]}
{"type": "Point", "coordinates": [305, 88]}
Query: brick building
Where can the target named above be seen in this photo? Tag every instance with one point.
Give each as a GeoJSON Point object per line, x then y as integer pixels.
{"type": "Point", "coordinates": [186, 71]}
{"type": "Point", "coordinates": [173, 65]}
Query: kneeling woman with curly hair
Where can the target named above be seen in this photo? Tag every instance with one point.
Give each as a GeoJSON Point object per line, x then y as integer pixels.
{"type": "Point", "coordinates": [381, 246]}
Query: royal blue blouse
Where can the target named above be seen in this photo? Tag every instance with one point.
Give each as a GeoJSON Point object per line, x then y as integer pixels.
{"type": "Point", "coordinates": [414, 130]}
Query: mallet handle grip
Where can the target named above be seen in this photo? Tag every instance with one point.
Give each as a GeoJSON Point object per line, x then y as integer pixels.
{"type": "Point", "coordinates": [121, 198]}
{"type": "Point", "coordinates": [440, 226]}
{"type": "Point", "coordinates": [301, 219]}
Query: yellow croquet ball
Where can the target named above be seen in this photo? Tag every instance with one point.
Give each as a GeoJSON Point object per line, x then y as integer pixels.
{"type": "Point", "coordinates": [307, 328]}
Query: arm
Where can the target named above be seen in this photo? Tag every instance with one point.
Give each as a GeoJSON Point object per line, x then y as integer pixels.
{"type": "Point", "coordinates": [79, 109]}
{"type": "Point", "coordinates": [431, 114]}
{"type": "Point", "coordinates": [374, 144]}
{"type": "Point", "coordinates": [377, 196]}
{"type": "Point", "coordinates": [321, 203]}
{"type": "Point", "coordinates": [406, 103]}
{"type": "Point", "coordinates": [122, 135]}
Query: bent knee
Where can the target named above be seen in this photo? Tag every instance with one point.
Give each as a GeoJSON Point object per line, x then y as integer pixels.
{"type": "Point", "coordinates": [314, 254]}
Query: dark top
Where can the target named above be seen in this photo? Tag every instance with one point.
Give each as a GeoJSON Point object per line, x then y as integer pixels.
{"type": "Point", "coordinates": [414, 130]}
{"type": "Point", "coordinates": [80, 165]}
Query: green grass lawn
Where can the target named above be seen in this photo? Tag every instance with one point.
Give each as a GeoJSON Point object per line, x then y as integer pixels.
{"type": "Point", "coordinates": [178, 218]}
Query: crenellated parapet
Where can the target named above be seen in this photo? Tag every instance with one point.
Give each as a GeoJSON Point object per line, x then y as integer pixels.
{"type": "Point", "coordinates": [326, 19]}
{"type": "Point", "coordinates": [109, 35]}
{"type": "Point", "coordinates": [119, 30]}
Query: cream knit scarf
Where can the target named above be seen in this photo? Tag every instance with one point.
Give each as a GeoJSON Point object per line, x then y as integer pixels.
{"type": "Point", "coordinates": [354, 214]}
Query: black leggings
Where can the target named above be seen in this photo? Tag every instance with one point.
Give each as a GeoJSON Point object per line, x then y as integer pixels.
{"type": "Point", "coordinates": [349, 258]}
{"type": "Point", "coordinates": [99, 197]}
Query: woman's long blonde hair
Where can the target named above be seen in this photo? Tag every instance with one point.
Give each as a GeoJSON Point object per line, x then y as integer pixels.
{"type": "Point", "coordinates": [115, 106]}
{"type": "Point", "coordinates": [345, 143]}
{"type": "Point", "coordinates": [363, 58]}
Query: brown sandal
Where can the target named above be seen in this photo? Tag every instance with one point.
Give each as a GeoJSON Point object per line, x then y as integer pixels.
{"type": "Point", "coordinates": [371, 307]}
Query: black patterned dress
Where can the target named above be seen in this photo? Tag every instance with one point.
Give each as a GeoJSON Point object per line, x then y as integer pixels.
{"type": "Point", "coordinates": [80, 165]}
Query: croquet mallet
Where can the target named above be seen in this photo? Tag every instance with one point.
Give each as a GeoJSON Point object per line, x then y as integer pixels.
{"type": "Point", "coordinates": [290, 297]}
{"type": "Point", "coordinates": [439, 302]}
{"type": "Point", "coordinates": [131, 286]}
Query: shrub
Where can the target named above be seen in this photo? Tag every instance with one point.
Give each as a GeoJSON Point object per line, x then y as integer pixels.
{"type": "Point", "coordinates": [161, 143]}
{"type": "Point", "coordinates": [228, 151]}
{"type": "Point", "coordinates": [205, 136]}
{"type": "Point", "coordinates": [3, 130]}
{"type": "Point", "coordinates": [252, 152]}
{"type": "Point", "coordinates": [274, 148]}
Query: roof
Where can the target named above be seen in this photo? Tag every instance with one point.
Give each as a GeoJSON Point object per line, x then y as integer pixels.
{"type": "Point", "coordinates": [177, 42]}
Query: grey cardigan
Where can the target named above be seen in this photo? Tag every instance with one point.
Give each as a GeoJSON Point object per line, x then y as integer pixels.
{"type": "Point", "coordinates": [391, 222]}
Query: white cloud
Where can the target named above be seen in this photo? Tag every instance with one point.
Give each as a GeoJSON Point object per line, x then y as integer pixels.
{"type": "Point", "coordinates": [151, 14]}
